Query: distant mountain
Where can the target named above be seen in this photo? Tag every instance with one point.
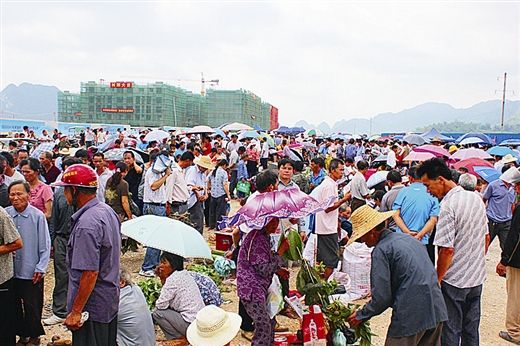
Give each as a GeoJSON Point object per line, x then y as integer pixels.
{"type": "Point", "coordinates": [408, 120]}
{"type": "Point", "coordinates": [29, 101]}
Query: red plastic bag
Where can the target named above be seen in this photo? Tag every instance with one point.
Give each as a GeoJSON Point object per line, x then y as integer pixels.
{"type": "Point", "coordinates": [313, 327]}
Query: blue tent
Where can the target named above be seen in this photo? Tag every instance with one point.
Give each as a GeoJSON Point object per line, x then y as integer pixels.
{"type": "Point", "coordinates": [512, 142]}
{"type": "Point", "coordinates": [485, 138]}
{"type": "Point", "coordinates": [433, 133]}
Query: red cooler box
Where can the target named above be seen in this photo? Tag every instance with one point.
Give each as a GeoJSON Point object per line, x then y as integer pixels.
{"type": "Point", "coordinates": [223, 241]}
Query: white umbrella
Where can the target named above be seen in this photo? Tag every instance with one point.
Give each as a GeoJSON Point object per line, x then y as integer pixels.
{"type": "Point", "coordinates": [472, 140]}
{"type": "Point", "coordinates": [376, 178]}
{"type": "Point", "coordinates": [470, 153]}
{"type": "Point", "coordinates": [156, 135]}
{"type": "Point", "coordinates": [236, 127]}
{"type": "Point", "coordinates": [163, 233]}
{"type": "Point", "coordinates": [200, 129]}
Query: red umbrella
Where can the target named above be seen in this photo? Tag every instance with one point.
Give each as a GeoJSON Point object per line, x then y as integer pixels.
{"type": "Point", "coordinates": [469, 164]}
{"type": "Point", "coordinates": [434, 149]}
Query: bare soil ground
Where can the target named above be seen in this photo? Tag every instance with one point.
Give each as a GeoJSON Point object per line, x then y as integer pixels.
{"type": "Point", "coordinates": [492, 319]}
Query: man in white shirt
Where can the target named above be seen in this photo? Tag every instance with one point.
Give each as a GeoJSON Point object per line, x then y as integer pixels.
{"type": "Point", "coordinates": [326, 227]}
{"type": "Point", "coordinates": [154, 199]}
{"type": "Point", "coordinates": [391, 158]}
{"type": "Point", "coordinates": [103, 174]}
{"type": "Point", "coordinates": [234, 144]}
{"type": "Point", "coordinates": [90, 137]}
{"type": "Point", "coordinates": [176, 186]}
{"type": "Point", "coordinates": [264, 153]}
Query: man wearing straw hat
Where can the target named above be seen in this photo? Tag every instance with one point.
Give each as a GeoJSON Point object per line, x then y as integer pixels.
{"type": "Point", "coordinates": [196, 180]}
{"type": "Point", "coordinates": [403, 278]}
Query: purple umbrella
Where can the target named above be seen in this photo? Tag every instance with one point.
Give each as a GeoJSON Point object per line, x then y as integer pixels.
{"type": "Point", "coordinates": [435, 150]}
{"type": "Point", "coordinates": [262, 207]}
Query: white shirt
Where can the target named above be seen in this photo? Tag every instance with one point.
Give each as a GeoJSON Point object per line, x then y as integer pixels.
{"type": "Point", "coordinates": [233, 160]}
{"type": "Point", "coordinates": [233, 146]}
{"type": "Point", "coordinates": [391, 160]}
{"type": "Point", "coordinates": [89, 136]}
{"type": "Point", "coordinates": [326, 223]}
{"type": "Point", "coordinates": [358, 186]}
{"type": "Point", "coordinates": [176, 187]}
{"type": "Point", "coordinates": [102, 183]}
{"type": "Point", "coordinates": [16, 176]}
{"type": "Point", "coordinates": [151, 196]}
{"type": "Point", "coordinates": [181, 293]}
{"type": "Point", "coordinates": [264, 154]}
{"type": "Point", "coordinates": [463, 226]}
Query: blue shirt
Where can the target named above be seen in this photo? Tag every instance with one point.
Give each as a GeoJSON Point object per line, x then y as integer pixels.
{"type": "Point", "coordinates": [142, 146]}
{"type": "Point", "coordinates": [242, 170]}
{"type": "Point", "coordinates": [95, 245]}
{"type": "Point", "coordinates": [179, 152]}
{"type": "Point", "coordinates": [403, 277]}
{"type": "Point", "coordinates": [317, 179]}
{"type": "Point", "coordinates": [499, 201]}
{"type": "Point", "coordinates": [217, 182]}
{"type": "Point", "coordinates": [350, 151]}
{"type": "Point", "coordinates": [416, 206]}
{"type": "Point", "coordinates": [194, 177]}
{"type": "Point", "coordinates": [33, 257]}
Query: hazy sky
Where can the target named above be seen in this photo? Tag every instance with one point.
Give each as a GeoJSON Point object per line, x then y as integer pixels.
{"type": "Point", "coordinates": [317, 61]}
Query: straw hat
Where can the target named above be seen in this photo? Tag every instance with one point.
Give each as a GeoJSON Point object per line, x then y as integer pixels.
{"type": "Point", "coordinates": [364, 219]}
{"type": "Point", "coordinates": [509, 158]}
{"type": "Point", "coordinates": [511, 176]}
{"type": "Point", "coordinates": [64, 151]}
{"type": "Point", "coordinates": [213, 326]}
{"type": "Point", "coordinates": [204, 161]}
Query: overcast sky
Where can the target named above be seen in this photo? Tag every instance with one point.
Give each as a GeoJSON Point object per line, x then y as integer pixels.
{"type": "Point", "coordinates": [317, 61]}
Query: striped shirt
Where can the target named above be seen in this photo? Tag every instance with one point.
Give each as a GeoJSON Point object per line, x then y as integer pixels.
{"type": "Point", "coordinates": [463, 226]}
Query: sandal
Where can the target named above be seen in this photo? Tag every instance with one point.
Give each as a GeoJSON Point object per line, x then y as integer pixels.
{"type": "Point", "coordinates": [505, 335]}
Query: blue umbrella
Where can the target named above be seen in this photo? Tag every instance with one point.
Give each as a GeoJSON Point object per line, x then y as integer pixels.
{"type": "Point", "coordinates": [487, 173]}
{"type": "Point", "coordinates": [500, 151]}
{"type": "Point", "coordinates": [483, 137]}
{"type": "Point", "coordinates": [512, 141]}
{"type": "Point", "coordinates": [248, 134]}
{"type": "Point", "coordinates": [220, 132]}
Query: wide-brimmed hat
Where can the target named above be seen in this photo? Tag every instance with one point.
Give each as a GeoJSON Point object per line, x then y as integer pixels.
{"type": "Point", "coordinates": [436, 139]}
{"type": "Point", "coordinates": [204, 161]}
{"type": "Point", "coordinates": [64, 151]}
{"type": "Point", "coordinates": [509, 158]}
{"type": "Point", "coordinates": [511, 176]}
{"type": "Point", "coordinates": [364, 219]}
{"type": "Point", "coordinates": [213, 326]}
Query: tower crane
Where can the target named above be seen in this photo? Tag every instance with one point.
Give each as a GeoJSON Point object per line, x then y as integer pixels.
{"type": "Point", "coordinates": [202, 80]}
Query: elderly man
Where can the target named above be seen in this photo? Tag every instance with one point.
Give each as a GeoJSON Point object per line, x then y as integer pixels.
{"type": "Point", "coordinates": [196, 180]}
{"type": "Point", "coordinates": [462, 237]}
{"type": "Point", "coordinates": [93, 261]}
{"type": "Point", "coordinates": [403, 278]}
{"type": "Point", "coordinates": [468, 182]}
{"type": "Point", "coordinates": [10, 241]}
{"type": "Point", "coordinates": [509, 266]}
{"type": "Point", "coordinates": [50, 171]}
{"type": "Point", "coordinates": [134, 321]}
{"type": "Point", "coordinates": [499, 196]}
{"type": "Point", "coordinates": [30, 262]}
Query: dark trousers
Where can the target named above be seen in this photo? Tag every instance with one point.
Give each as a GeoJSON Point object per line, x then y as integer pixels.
{"type": "Point", "coordinates": [430, 248]}
{"type": "Point", "coordinates": [252, 168]}
{"type": "Point", "coordinates": [263, 162]}
{"type": "Point", "coordinates": [217, 209]}
{"type": "Point", "coordinates": [206, 206]}
{"type": "Point", "coordinates": [430, 337]}
{"type": "Point", "coordinates": [197, 216]}
{"type": "Point", "coordinates": [9, 309]}
{"type": "Point", "coordinates": [61, 277]}
{"type": "Point", "coordinates": [96, 334]}
{"type": "Point", "coordinates": [500, 229]}
{"type": "Point", "coordinates": [233, 182]}
{"type": "Point", "coordinates": [29, 306]}
{"type": "Point", "coordinates": [247, 321]}
{"type": "Point", "coordinates": [356, 203]}
{"type": "Point", "coordinates": [463, 304]}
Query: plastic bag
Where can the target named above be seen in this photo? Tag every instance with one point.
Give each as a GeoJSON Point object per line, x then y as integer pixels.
{"type": "Point", "coordinates": [356, 263]}
{"type": "Point", "coordinates": [275, 301]}
{"type": "Point", "coordinates": [338, 338]}
{"type": "Point", "coordinates": [310, 250]}
{"type": "Point", "coordinates": [244, 187]}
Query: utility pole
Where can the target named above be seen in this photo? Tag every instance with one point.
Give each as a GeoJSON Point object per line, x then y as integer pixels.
{"type": "Point", "coordinates": [503, 102]}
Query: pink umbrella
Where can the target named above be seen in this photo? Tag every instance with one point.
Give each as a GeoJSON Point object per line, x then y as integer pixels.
{"type": "Point", "coordinates": [470, 153]}
{"type": "Point", "coordinates": [434, 149]}
{"type": "Point", "coordinates": [469, 164]}
{"type": "Point", "coordinates": [262, 207]}
{"type": "Point", "coordinates": [419, 156]}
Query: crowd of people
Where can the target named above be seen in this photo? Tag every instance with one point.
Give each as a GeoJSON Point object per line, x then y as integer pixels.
{"type": "Point", "coordinates": [429, 226]}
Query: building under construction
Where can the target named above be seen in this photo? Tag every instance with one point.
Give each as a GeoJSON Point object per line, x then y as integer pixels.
{"type": "Point", "coordinates": [159, 104]}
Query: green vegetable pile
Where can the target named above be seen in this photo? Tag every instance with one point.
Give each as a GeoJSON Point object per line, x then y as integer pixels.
{"type": "Point", "coordinates": [206, 270]}
{"type": "Point", "coordinates": [151, 288]}
{"type": "Point", "coordinates": [337, 314]}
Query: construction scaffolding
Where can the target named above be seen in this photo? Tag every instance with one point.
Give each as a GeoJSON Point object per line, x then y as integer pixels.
{"type": "Point", "coordinates": [160, 104]}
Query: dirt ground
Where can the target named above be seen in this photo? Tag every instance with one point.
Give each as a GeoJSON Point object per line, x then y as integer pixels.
{"type": "Point", "coordinates": [492, 319]}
